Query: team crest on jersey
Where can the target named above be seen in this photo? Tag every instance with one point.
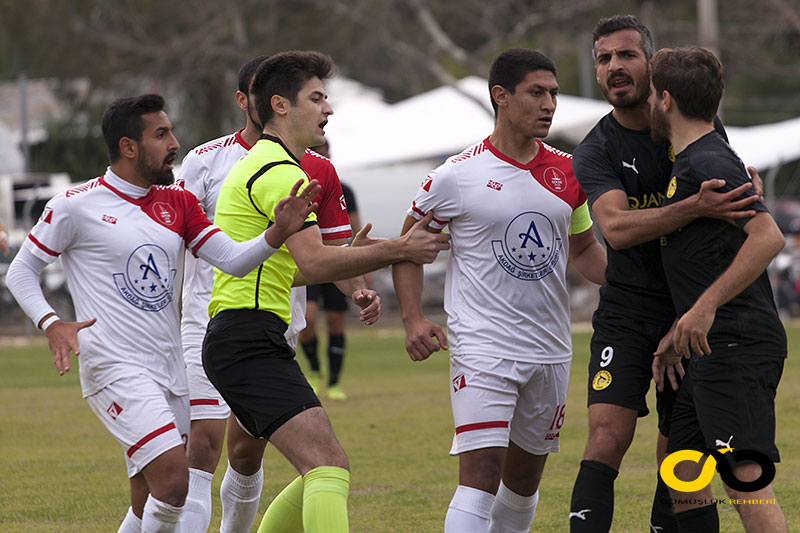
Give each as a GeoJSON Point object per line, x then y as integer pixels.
{"type": "Point", "coordinates": [164, 213]}
{"type": "Point", "coordinates": [555, 179]}
{"type": "Point", "coordinates": [47, 215]}
{"type": "Point", "coordinates": [148, 279]}
{"type": "Point", "coordinates": [672, 187]}
{"type": "Point", "coordinates": [530, 249]}
{"type": "Point", "coordinates": [426, 183]}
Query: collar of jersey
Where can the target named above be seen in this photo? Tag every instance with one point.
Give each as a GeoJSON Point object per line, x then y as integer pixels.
{"type": "Point", "coordinates": [138, 201]}
{"type": "Point", "coordinates": [274, 139]}
{"type": "Point", "coordinates": [503, 157]}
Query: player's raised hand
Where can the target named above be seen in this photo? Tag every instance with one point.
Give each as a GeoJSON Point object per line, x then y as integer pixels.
{"type": "Point", "coordinates": [422, 246]}
{"type": "Point", "coordinates": [370, 304]}
{"type": "Point", "coordinates": [291, 212]}
{"type": "Point", "coordinates": [63, 339]}
{"type": "Point", "coordinates": [423, 337]}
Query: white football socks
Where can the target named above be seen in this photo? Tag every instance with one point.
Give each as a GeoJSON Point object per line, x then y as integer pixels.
{"type": "Point", "coordinates": [240, 496]}
{"type": "Point", "coordinates": [512, 513]}
{"type": "Point", "coordinates": [469, 511]}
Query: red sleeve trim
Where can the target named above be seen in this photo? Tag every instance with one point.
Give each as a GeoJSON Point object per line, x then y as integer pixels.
{"type": "Point", "coordinates": [203, 240]}
{"type": "Point", "coordinates": [482, 425]}
{"type": "Point", "coordinates": [42, 246]}
{"type": "Point", "coordinates": [147, 438]}
{"type": "Point", "coordinates": [422, 213]}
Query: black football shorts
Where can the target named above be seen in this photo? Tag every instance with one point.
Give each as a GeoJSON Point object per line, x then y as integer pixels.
{"type": "Point", "coordinates": [247, 359]}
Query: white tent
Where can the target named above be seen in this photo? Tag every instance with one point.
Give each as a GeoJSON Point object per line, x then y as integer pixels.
{"type": "Point", "coordinates": [385, 150]}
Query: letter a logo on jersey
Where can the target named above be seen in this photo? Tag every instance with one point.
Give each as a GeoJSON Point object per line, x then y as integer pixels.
{"type": "Point", "coordinates": [459, 382]}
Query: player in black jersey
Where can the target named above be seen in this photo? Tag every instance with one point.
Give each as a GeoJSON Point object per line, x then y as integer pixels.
{"type": "Point", "coordinates": [624, 174]}
{"type": "Point", "coordinates": [717, 276]}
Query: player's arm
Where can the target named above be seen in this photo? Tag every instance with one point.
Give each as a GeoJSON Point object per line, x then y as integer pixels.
{"type": "Point", "coordinates": [320, 263]}
{"type": "Point", "coordinates": [764, 241]}
{"type": "Point", "coordinates": [356, 288]}
{"type": "Point", "coordinates": [22, 279]}
{"type": "Point", "coordinates": [423, 337]}
{"type": "Point", "coordinates": [585, 253]}
{"type": "Point", "coordinates": [623, 227]}
{"type": "Point", "coordinates": [240, 258]}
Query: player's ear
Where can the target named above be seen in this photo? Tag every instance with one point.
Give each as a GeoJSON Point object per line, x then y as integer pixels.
{"type": "Point", "coordinates": [241, 100]}
{"type": "Point", "coordinates": [280, 104]}
{"type": "Point", "coordinates": [128, 147]}
{"type": "Point", "coordinates": [499, 95]}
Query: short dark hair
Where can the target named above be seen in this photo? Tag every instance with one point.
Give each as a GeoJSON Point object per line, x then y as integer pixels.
{"type": "Point", "coordinates": [123, 118]}
{"type": "Point", "coordinates": [610, 25]}
{"type": "Point", "coordinates": [247, 72]}
{"type": "Point", "coordinates": [693, 76]}
{"type": "Point", "coordinates": [511, 67]}
{"type": "Point", "coordinates": [284, 74]}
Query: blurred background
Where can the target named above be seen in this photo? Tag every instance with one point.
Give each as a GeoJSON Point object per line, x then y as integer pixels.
{"type": "Point", "coordinates": [410, 91]}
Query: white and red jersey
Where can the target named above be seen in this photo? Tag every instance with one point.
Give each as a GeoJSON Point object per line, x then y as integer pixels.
{"type": "Point", "coordinates": [505, 289]}
{"type": "Point", "coordinates": [202, 172]}
{"type": "Point", "coordinates": [121, 256]}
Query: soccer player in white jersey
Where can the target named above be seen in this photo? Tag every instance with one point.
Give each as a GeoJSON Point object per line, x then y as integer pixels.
{"type": "Point", "coordinates": [515, 214]}
{"type": "Point", "coordinates": [202, 173]}
{"type": "Point", "coordinates": [121, 237]}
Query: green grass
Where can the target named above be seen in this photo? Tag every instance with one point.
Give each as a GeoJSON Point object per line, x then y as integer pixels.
{"type": "Point", "coordinates": [61, 471]}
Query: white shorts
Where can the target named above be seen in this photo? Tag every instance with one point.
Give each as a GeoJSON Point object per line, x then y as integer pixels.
{"type": "Point", "coordinates": [496, 400]}
{"type": "Point", "coordinates": [205, 401]}
{"type": "Point", "coordinates": [144, 417]}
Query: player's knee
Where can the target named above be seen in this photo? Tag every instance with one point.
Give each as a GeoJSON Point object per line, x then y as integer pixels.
{"type": "Point", "coordinates": [171, 488]}
{"type": "Point", "coordinates": [607, 445]}
{"type": "Point", "coordinates": [204, 452]}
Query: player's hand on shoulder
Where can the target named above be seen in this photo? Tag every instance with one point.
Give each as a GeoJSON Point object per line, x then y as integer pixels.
{"type": "Point", "coordinates": [63, 339]}
{"type": "Point", "coordinates": [422, 245]}
{"type": "Point", "coordinates": [370, 303]}
{"type": "Point", "coordinates": [724, 205]}
{"type": "Point", "coordinates": [423, 338]}
{"type": "Point", "coordinates": [291, 212]}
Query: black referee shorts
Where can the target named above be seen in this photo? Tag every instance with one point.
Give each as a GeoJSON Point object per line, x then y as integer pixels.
{"type": "Point", "coordinates": [620, 364]}
{"type": "Point", "coordinates": [332, 298]}
{"type": "Point", "coordinates": [727, 400]}
{"type": "Point", "coordinates": [247, 359]}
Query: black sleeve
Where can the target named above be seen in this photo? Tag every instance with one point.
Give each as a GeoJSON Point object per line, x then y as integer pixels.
{"type": "Point", "coordinates": [720, 128]}
{"type": "Point", "coordinates": [592, 167]}
{"type": "Point", "coordinates": [349, 199]}
{"type": "Point", "coordinates": [732, 170]}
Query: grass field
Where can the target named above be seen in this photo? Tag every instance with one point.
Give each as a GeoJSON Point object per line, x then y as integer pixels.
{"type": "Point", "coordinates": [62, 472]}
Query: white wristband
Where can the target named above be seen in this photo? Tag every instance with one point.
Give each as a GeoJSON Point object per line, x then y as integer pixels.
{"type": "Point", "coordinates": [49, 322]}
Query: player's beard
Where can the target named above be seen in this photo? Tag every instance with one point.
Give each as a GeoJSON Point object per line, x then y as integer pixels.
{"type": "Point", "coordinates": [633, 98]}
{"type": "Point", "coordinates": [156, 174]}
{"type": "Point", "coordinates": [659, 125]}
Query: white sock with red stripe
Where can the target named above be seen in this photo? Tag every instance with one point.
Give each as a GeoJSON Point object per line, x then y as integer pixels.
{"type": "Point", "coordinates": [511, 512]}
{"type": "Point", "coordinates": [131, 523]}
{"type": "Point", "coordinates": [469, 511]}
{"type": "Point", "coordinates": [197, 509]}
{"type": "Point", "coordinates": [159, 517]}
{"type": "Point", "coordinates": [240, 496]}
